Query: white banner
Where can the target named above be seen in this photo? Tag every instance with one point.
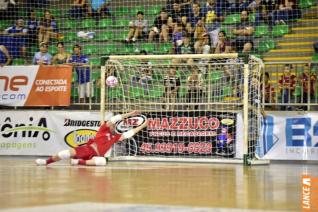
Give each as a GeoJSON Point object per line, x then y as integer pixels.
{"type": "Point", "coordinates": [45, 132]}
{"type": "Point", "coordinates": [286, 136]}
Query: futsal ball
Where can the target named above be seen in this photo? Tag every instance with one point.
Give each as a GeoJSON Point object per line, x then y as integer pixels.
{"type": "Point", "coordinates": [111, 81]}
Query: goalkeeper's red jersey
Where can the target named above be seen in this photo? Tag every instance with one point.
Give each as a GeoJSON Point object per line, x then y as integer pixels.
{"type": "Point", "coordinates": [104, 139]}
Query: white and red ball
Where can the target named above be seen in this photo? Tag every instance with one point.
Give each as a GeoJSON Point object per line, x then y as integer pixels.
{"type": "Point", "coordinates": [111, 81]}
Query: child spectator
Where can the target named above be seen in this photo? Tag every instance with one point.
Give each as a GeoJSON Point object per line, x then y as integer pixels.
{"type": "Point", "coordinates": [138, 28]}
{"type": "Point", "coordinates": [223, 44]}
{"type": "Point", "coordinates": [194, 84]}
{"type": "Point", "coordinates": [287, 84]}
{"type": "Point", "coordinates": [42, 57]}
{"type": "Point", "coordinates": [48, 28]}
{"type": "Point", "coordinates": [78, 9]}
{"type": "Point", "coordinates": [5, 58]}
{"type": "Point", "coordinates": [62, 56]}
{"type": "Point", "coordinates": [80, 63]}
{"type": "Point", "coordinates": [186, 47]}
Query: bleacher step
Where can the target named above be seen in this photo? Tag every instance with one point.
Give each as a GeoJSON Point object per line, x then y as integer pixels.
{"type": "Point", "coordinates": [276, 59]}
{"type": "Point", "coordinates": [295, 44]}
{"type": "Point", "coordinates": [302, 35]}
{"type": "Point", "coordinates": [292, 50]}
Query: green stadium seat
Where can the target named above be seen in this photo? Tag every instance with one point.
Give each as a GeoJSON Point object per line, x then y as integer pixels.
{"type": "Point", "coordinates": [90, 49]}
{"type": "Point", "coordinates": [298, 91]}
{"type": "Point", "coordinates": [5, 24]}
{"type": "Point", "coordinates": [251, 17]}
{"type": "Point", "coordinates": [105, 23]}
{"type": "Point", "coordinates": [154, 10]}
{"type": "Point", "coordinates": [18, 62]}
{"type": "Point", "coordinates": [52, 49]}
{"type": "Point", "coordinates": [56, 12]}
{"type": "Point", "coordinates": [122, 23]}
{"type": "Point", "coordinates": [280, 30]}
{"type": "Point", "coordinates": [128, 49]}
{"type": "Point", "coordinates": [148, 47]}
{"type": "Point", "coordinates": [88, 23]}
{"type": "Point", "coordinates": [156, 92]}
{"type": "Point", "coordinates": [69, 24]}
{"type": "Point", "coordinates": [232, 19]}
{"type": "Point", "coordinates": [266, 45]}
{"type": "Point", "coordinates": [108, 49]}
{"type": "Point", "coordinates": [165, 48]}
{"type": "Point", "coordinates": [104, 36]}
{"type": "Point", "coordinates": [95, 61]}
{"type": "Point", "coordinates": [214, 76]}
{"type": "Point", "coordinates": [136, 92]}
{"type": "Point", "coordinates": [70, 37]}
{"type": "Point", "coordinates": [227, 91]}
{"type": "Point", "coordinates": [315, 57]}
{"type": "Point", "coordinates": [261, 31]}
{"type": "Point", "coordinates": [122, 11]}
{"type": "Point", "coordinates": [121, 35]}
{"type": "Point", "coordinates": [306, 3]}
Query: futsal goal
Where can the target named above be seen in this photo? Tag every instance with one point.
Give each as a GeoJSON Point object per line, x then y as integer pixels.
{"type": "Point", "coordinates": [199, 107]}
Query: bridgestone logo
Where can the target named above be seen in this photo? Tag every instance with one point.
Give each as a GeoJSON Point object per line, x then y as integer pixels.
{"type": "Point", "coordinates": [81, 123]}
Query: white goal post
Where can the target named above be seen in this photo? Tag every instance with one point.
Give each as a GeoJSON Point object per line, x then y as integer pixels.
{"type": "Point", "coordinates": [200, 107]}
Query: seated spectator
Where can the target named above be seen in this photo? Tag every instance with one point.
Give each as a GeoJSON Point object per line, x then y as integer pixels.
{"type": "Point", "coordinates": [18, 34]}
{"type": "Point", "coordinates": [244, 33]}
{"type": "Point", "coordinates": [143, 75]}
{"type": "Point", "coordinates": [237, 6]}
{"type": "Point", "coordinates": [78, 9]}
{"type": "Point", "coordinates": [80, 63]}
{"type": "Point", "coordinates": [172, 84]}
{"type": "Point", "coordinates": [186, 26]}
{"type": "Point", "coordinates": [48, 28]}
{"type": "Point", "coordinates": [248, 47]}
{"type": "Point", "coordinates": [42, 57]}
{"type": "Point", "coordinates": [287, 10]}
{"type": "Point", "coordinates": [8, 10]}
{"type": "Point", "coordinates": [138, 28]}
{"type": "Point", "coordinates": [5, 58]}
{"type": "Point", "coordinates": [186, 47]}
{"type": "Point", "coordinates": [308, 80]}
{"type": "Point", "coordinates": [177, 38]}
{"type": "Point", "coordinates": [161, 28]}
{"type": "Point", "coordinates": [201, 38]}
{"type": "Point", "coordinates": [98, 8]}
{"type": "Point", "coordinates": [287, 85]}
{"type": "Point", "coordinates": [62, 57]}
{"type": "Point", "coordinates": [194, 85]}
{"type": "Point", "coordinates": [213, 17]}
{"type": "Point", "coordinates": [178, 12]}
{"type": "Point", "coordinates": [256, 7]}
{"type": "Point", "coordinates": [223, 45]}
{"type": "Point", "coordinates": [32, 25]}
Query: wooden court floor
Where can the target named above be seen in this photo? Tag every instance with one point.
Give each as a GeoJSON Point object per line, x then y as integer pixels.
{"type": "Point", "coordinates": [215, 187]}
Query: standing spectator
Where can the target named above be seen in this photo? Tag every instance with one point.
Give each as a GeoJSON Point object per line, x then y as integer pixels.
{"type": "Point", "coordinates": [42, 57]}
{"type": "Point", "coordinates": [172, 84]}
{"type": "Point", "coordinates": [287, 84]}
{"type": "Point", "coordinates": [308, 80]}
{"type": "Point", "coordinates": [161, 28]}
{"type": "Point", "coordinates": [138, 28]}
{"type": "Point", "coordinates": [196, 15]}
{"type": "Point", "coordinates": [98, 8]}
{"type": "Point", "coordinates": [5, 58]}
{"type": "Point", "coordinates": [80, 63]}
{"type": "Point", "coordinates": [212, 14]}
{"type": "Point", "coordinates": [244, 33]}
{"type": "Point", "coordinates": [78, 9]}
{"type": "Point", "coordinates": [223, 45]}
{"type": "Point", "coordinates": [17, 40]}
{"type": "Point", "coordinates": [287, 10]}
{"type": "Point", "coordinates": [178, 12]}
{"type": "Point", "coordinates": [194, 83]}
{"type": "Point", "coordinates": [32, 25]}
{"type": "Point", "coordinates": [48, 28]}
{"type": "Point", "coordinates": [62, 56]}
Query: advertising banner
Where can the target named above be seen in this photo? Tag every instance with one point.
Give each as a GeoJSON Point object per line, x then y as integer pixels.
{"type": "Point", "coordinates": [45, 132]}
{"type": "Point", "coordinates": [286, 136]}
{"type": "Point", "coordinates": [188, 133]}
{"type": "Point", "coordinates": [35, 85]}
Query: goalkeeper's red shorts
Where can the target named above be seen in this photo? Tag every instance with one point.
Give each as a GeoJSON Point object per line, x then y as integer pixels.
{"type": "Point", "coordinates": [85, 152]}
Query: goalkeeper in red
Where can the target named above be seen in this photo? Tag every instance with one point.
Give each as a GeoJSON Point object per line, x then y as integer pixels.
{"type": "Point", "coordinates": [92, 153]}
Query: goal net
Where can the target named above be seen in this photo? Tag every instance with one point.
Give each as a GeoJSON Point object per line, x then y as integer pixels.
{"type": "Point", "coordinates": [199, 107]}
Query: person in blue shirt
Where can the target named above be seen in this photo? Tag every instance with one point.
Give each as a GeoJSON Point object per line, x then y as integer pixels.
{"type": "Point", "coordinates": [32, 25]}
{"type": "Point", "coordinates": [98, 8]}
{"type": "Point", "coordinates": [80, 63]}
{"type": "Point", "coordinates": [5, 58]}
{"type": "Point", "coordinates": [42, 57]}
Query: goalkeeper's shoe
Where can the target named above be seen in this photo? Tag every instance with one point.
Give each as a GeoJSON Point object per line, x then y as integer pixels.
{"type": "Point", "coordinates": [40, 162]}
